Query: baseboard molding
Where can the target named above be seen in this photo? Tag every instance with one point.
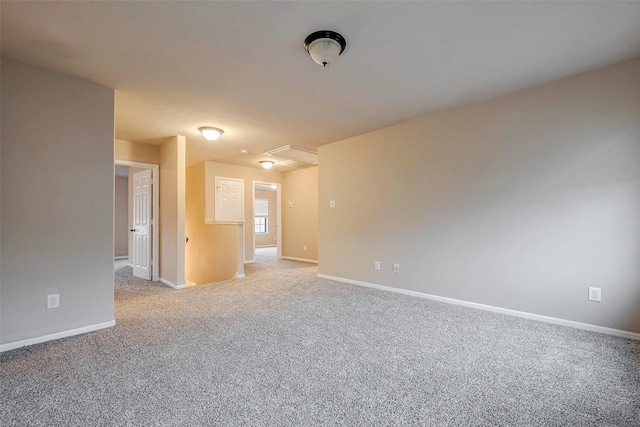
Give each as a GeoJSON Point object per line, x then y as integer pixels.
{"type": "Point", "coordinates": [523, 314]}
{"type": "Point", "coordinates": [239, 276]}
{"type": "Point", "coordinates": [130, 265]}
{"type": "Point", "coordinates": [250, 261]}
{"type": "Point", "coordinates": [312, 261]}
{"type": "Point", "coordinates": [121, 257]}
{"type": "Point", "coordinates": [56, 336]}
{"type": "Point", "coordinates": [174, 286]}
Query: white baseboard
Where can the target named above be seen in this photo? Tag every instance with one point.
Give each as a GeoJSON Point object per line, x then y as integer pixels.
{"type": "Point", "coordinates": [56, 336]}
{"type": "Point", "coordinates": [130, 265]}
{"type": "Point", "coordinates": [239, 276]}
{"type": "Point", "coordinates": [249, 261]}
{"type": "Point", "coordinates": [174, 286]}
{"type": "Point", "coordinates": [523, 314]}
{"type": "Point", "coordinates": [312, 261]}
{"type": "Point", "coordinates": [122, 257]}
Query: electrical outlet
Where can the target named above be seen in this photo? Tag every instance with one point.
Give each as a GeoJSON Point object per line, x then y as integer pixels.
{"type": "Point", "coordinates": [304, 248]}
{"type": "Point", "coordinates": [595, 294]}
{"type": "Point", "coordinates": [376, 265]}
{"type": "Point", "coordinates": [396, 268]}
{"type": "Point", "coordinates": [332, 203]}
{"type": "Point", "coordinates": [53, 301]}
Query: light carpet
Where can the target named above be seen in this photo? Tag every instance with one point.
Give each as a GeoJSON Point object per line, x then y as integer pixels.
{"type": "Point", "coordinates": [285, 348]}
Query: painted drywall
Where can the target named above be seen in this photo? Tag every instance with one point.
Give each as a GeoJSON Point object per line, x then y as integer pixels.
{"type": "Point", "coordinates": [121, 217]}
{"type": "Point", "coordinates": [248, 175]}
{"type": "Point", "coordinates": [520, 202]}
{"type": "Point", "coordinates": [269, 238]}
{"type": "Point", "coordinates": [137, 152]}
{"type": "Point", "coordinates": [57, 203]}
{"type": "Point", "coordinates": [172, 211]}
{"type": "Point", "coordinates": [300, 220]}
{"type": "Point", "coordinates": [211, 255]}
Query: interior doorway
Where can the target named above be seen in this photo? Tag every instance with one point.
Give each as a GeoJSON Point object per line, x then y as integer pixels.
{"type": "Point", "coordinates": [267, 219]}
{"type": "Point", "coordinates": [143, 204]}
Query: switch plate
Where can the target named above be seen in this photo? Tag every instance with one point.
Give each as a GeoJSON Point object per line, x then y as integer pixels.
{"type": "Point", "coordinates": [332, 203]}
{"type": "Point", "coordinates": [595, 294]}
{"type": "Point", "coordinates": [53, 301]}
{"type": "Point", "coordinates": [396, 268]}
{"type": "Point", "coordinates": [304, 247]}
{"type": "Point", "coordinates": [376, 265]}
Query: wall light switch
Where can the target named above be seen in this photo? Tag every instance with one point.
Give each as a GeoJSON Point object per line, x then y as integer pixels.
{"type": "Point", "coordinates": [332, 203]}
{"type": "Point", "coordinates": [396, 268]}
{"type": "Point", "coordinates": [376, 265]}
{"type": "Point", "coordinates": [595, 294]}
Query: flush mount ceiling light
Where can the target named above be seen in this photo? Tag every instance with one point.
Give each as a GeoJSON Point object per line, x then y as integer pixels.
{"type": "Point", "coordinates": [266, 164]}
{"type": "Point", "coordinates": [211, 133]}
{"type": "Point", "coordinates": [324, 46]}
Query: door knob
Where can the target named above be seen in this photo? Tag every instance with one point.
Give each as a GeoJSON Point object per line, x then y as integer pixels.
{"type": "Point", "coordinates": [133, 229]}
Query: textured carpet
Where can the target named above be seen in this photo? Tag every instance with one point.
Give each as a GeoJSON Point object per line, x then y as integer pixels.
{"type": "Point", "coordinates": [282, 347]}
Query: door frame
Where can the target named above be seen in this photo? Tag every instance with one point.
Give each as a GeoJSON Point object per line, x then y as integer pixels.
{"type": "Point", "coordinates": [278, 216]}
{"type": "Point", "coordinates": [155, 215]}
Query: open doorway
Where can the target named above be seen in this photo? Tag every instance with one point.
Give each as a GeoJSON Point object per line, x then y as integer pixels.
{"type": "Point", "coordinates": [266, 229]}
{"type": "Point", "coordinates": [140, 226]}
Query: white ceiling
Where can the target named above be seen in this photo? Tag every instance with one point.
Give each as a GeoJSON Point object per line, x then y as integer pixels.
{"type": "Point", "coordinates": [241, 66]}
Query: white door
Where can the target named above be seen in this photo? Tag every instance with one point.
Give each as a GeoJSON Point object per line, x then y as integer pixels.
{"type": "Point", "coordinates": [229, 199]}
{"type": "Point", "coordinates": [141, 227]}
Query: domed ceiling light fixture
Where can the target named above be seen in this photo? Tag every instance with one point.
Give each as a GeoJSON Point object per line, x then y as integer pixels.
{"type": "Point", "coordinates": [211, 133]}
{"type": "Point", "coordinates": [324, 46]}
{"type": "Point", "coordinates": [267, 164]}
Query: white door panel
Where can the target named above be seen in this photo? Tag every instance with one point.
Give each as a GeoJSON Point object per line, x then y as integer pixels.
{"type": "Point", "coordinates": [141, 227]}
{"type": "Point", "coordinates": [229, 201]}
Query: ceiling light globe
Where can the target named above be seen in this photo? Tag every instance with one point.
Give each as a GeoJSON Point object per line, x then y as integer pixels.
{"type": "Point", "coordinates": [266, 164]}
{"type": "Point", "coordinates": [324, 51]}
{"type": "Point", "coordinates": [211, 133]}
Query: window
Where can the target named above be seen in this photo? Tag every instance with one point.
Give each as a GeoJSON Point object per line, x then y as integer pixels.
{"type": "Point", "coordinates": [261, 224]}
{"type": "Point", "coordinates": [261, 213]}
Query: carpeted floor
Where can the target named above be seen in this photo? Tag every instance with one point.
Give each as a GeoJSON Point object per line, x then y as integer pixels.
{"type": "Point", "coordinates": [282, 347]}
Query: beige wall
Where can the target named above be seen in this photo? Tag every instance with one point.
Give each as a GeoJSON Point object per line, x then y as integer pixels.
{"type": "Point", "coordinates": [270, 238]}
{"type": "Point", "coordinates": [300, 221]}
{"type": "Point", "coordinates": [520, 202]}
{"type": "Point", "coordinates": [121, 214]}
{"type": "Point", "coordinates": [212, 252]}
{"type": "Point", "coordinates": [248, 175]}
{"type": "Point", "coordinates": [172, 211]}
{"type": "Point", "coordinates": [136, 152]}
{"type": "Point", "coordinates": [57, 203]}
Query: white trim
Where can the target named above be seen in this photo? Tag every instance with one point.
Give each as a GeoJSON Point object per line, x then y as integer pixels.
{"type": "Point", "coordinates": [174, 286]}
{"type": "Point", "coordinates": [155, 250]}
{"type": "Point", "coordinates": [523, 314]}
{"type": "Point", "coordinates": [121, 257]}
{"type": "Point", "coordinates": [56, 336]}
{"type": "Point", "coordinates": [239, 276]}
{"type": "Point", "coordinates": [250, 261]}
{"type": "Point", "coordinates": [312, 261]}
